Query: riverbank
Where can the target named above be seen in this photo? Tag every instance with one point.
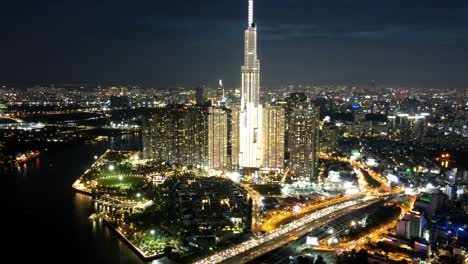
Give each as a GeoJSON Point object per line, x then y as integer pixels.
{"type": "Point", "coordinates": [44, 209]}
{"type": "Point", "coordinates": [122, 236]}
{"type": "Point", "coordinates": [78, 187]}
{"type": "Point", "coordinates": [25, 157]}
{"type": "Point", "coordinates": [86, 187]}
{"type": "Point", "coordinates": [130, 244]}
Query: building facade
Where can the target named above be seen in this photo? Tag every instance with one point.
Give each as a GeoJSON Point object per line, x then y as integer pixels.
{"type": "Point", "coordinates": [234, 136]}
{"type": "Point", "coordinates": [177, 134]}
{"type": "Point", "coordinates": [273, 138]}
{"type": "Point", "coordinates": [217, 139]}
{"type": "Point", "coordinates": [293, 101]}
{"type": "Point", "coordinates": [303, 138]}
{"type": "Point", "coordinates": [411, 225]}
{"type": "Point", "coordinates": [250, 115]}
{"type": "Point", "coordinates": [194, 135]}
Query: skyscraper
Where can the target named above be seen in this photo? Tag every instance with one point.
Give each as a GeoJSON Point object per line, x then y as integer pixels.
{"type": "Point", "coordinates": [411, 225]}
{"type": "Point", "coordinates": [303, 142]}
{"type": "Point", "coordinates": [273, 137]}
{"type": "Point", "coordinates": [294, 101]}
{"type": "Point", "coordinates": [250, 116]}
{"type": "Point", "coordinates": [177, 134]}
{"type": "Point", "coordinates": [217, 138]}
{"type": "Point", "coordinates": [200, 95]}
{"type": "Point", "coordinates": [234, 136]}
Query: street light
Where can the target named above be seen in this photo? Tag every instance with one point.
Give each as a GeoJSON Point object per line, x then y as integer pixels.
{"type": "Point", "coordinates": [111, 167]}
{"type": "Point", "coordinates": [152, 232]}
{"type": "Point", "coordinates": [138, 195]}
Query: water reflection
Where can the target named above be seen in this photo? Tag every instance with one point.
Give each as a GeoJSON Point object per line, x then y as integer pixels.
{"type": "Point", "coordinates": [81, 202]}
{"type": "Point", "coordinates": [24, 169]}
{"type": "Point", "coordinates": [94, 227]}
{"type": "Point", "coordinates": [43, 193]}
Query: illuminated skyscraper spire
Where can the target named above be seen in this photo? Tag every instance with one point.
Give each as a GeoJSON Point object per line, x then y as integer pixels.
{"type": "Point", "coordinates": [251, 111]}
{"type": "Point", "coordinates": [251, 10]}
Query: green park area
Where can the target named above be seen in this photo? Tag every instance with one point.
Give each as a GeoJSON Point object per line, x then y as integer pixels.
{"type": "Point", "coordinates": [157, 205]}
{"type": "Point", "coordinates": [120, 181]}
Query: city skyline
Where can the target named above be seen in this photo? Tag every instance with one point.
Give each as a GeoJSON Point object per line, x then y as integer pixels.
{"type": "Point", "coordinates": [257, 168]}
{"type": "Point", "coordinates": [338, 42]}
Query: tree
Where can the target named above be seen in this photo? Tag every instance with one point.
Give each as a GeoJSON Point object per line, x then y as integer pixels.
{"type": "Point", "coordinates": [302, 260]}
{"type": "Point", "coordinates": [319, 260]}
{"type": "Point", "coordinates": [361, 256]}
{"type": "Point", "coordinates": [168, 251]}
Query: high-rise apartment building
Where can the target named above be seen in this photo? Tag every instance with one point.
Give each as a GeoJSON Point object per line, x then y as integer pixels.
{"type": "Point", "coordinates": [293, 101]}
{"type": "Point", "coordinates": [273, 139]}
{"type": "Point", "coordinates": [176, 134]}
{"type": "Point", "coordinates": [304, 143]}
{"type": "Point", "coordinates": [188, 135]}
{"type": "Point", "coordinates": [234, 136]}
{"type": "Point", "coordinates": [329, 138]}
{"type": "Point", "coordinates": [431, 203]}
{"type": "Point", "coordinates": [200, 98]}
{"type": "Point", "coordinates": [411, 225]}
{"type": "Point", "coordinates": [217, 139]}
{"type": "Point", "coordinates": [410, 127]}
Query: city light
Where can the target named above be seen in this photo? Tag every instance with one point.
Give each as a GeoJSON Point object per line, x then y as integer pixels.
{"type": "Point", "coordinates": [429, 186]}
{"type": "Point", "coordinates": [297, 209]}
{"type": "Point", "coordinates": [234, 176]}
{"type": "Point", "coordinates": [281, 231]}
{"type": "Point", "coordinates": [392, 178]}
{"type": "Point", "coordinates": [426, 235]}
{"type": "Point", "coordinates": [409, 191]}
{"type": "Point", "coordinates": [280, 165]}
{"type": "Point", "coordinates": [312, 241]}
{"type": "Point", "coordinates": [352, 191]}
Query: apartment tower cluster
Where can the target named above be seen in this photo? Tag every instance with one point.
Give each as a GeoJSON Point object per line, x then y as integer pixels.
{"type": "Point", "coordinates": [249, 137]}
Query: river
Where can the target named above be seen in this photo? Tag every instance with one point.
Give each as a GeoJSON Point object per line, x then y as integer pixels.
{"type": "Point", "coordinates": [44, 220]}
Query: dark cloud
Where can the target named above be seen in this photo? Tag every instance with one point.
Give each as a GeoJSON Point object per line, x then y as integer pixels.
{"type": "Point", "coordinates": [164, 43]}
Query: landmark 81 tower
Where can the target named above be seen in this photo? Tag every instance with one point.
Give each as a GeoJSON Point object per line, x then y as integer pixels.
{"type": "Point", "coordinates": [250, 116]}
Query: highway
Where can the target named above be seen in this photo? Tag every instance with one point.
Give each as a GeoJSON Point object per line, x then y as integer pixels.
{"type": "Point", "coordinates": [286, 238]}
{"type": "Point", "coordinates": [256, 203]}
{"type": "Point", "coordinates": [314, 228]}
{"type": "Point", "coordinates": [338, 223]}
{"type": "Point", "coordinates": [262, 244]}
{"type": "Point", "coordinates": [272, 222]}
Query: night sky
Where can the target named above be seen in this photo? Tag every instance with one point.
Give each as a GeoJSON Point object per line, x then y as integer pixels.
{"type": "Point", "coordinates": [186, 42]}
